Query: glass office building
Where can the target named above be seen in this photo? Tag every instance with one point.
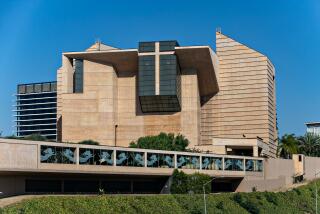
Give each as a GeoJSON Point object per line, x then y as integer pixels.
{"type": "Point", "coordinates": [36, 109]}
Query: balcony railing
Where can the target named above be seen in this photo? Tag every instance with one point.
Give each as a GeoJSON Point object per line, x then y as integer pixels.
{"type": "Point", "coordinates": [129, 157]}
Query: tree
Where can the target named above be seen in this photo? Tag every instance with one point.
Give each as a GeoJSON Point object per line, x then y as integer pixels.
{"type": "Point", "coordinates": [162, 141]}
{"type": "Point", "coordinates": [288, 145]}
{"type": "Point", "coordinates": [309, 144]}
{"type": "Point", "coordinates": [193, 183]}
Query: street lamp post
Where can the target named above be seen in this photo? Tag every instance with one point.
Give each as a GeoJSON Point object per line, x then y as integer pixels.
{"type": "Point", "coordinates": [204, 194]}
{"type": "Point", "coordinates": [315, 175]}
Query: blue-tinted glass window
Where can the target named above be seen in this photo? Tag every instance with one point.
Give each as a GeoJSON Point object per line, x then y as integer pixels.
{"type": "Point", "coordinates": [78, 76]}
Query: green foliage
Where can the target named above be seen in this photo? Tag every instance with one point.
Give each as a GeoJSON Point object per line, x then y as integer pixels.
{"type": "Point", "coordinates": [300, 200]}
{"type": "Point", "coordinates": [162, 141]}
{"type": "Point", "coordinates": [309, 145]}
{"type": "Point", "coordinates": [183, 183]}
{"type": "Point", "coordinates": [289, 144]}
{"type": "Point", "coordinates": [246, 202]}
{"type": "Point", "coordinates": [89, 142]}
{"type": "Point", "coordinates": [33, 137]}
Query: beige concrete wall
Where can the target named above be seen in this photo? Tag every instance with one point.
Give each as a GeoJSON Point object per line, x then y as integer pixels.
{"type": "Point", "coordinates": [312, 166]}
{"type": "Point", "coordinates": [247, 185]}
{"type": "Point", "coordinates": [245, 104]}
{"type": "Point", "coordinates": [19, 156]}
{"type": "Point", "coordinates": [93, 113]}
{"type": "Point", "coordinates": [132, 123]}
{"type": "Point", "coordinates": [275, 168]}
{"type": "Point", "coordinates": [278, 174]}
{"type": "Point", "coordinates": [110, 98]}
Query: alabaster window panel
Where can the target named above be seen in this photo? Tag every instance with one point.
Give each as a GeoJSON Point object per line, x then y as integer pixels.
{"type": "Point", "coordinates": [233, 164]}
{"type": "Point", "coordinates": [188, 162]}
{"type": "Point", "coordinates": [211, 163]}
{"type": "Point", "coordinates": [95, 157]}
{"type": "Point", "coordinates": [57, 154]}
{"type": "Point", "coordinates": [156, 160]}
{"type": "Point", "coordinates": [128, 158]}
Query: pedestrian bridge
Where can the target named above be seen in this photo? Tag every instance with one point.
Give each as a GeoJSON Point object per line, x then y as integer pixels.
{"type": "Point", "coordinates": [37, 156]}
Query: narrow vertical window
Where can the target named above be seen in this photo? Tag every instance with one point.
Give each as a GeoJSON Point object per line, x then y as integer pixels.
{"type": "Point", "coordinates": [78, 76]}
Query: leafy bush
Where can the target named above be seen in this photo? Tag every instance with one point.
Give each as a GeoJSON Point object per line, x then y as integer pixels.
{"type": "Point", "coordinates": [89, 142]}
{"type": "Point", "coordinates": [271, 198]}
{"type": "Point", "coordinates": [33, 137]}
{"type": "Point", "coordinates": [246, 202]}
{"type": "Point", "coordinates": [162, 141]}
{"type": "Point", "coordinates": [183, 183]}
{"type": "Point", "coordinates": [289, 202]}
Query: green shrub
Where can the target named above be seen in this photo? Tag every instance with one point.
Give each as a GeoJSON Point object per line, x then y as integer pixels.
{"type": "Point", "coordinates": [183, 183]}
{"type": "Point", "coordinates": [33, 137]}
{"type": "Point", "coordinates": [162, 141]}
{"type": "Point", "coordinates": [271, 198]}
{"type": "Point", "coordinates": [289, 202]}
{"type": "Point", "coordinates": [220, 205]}
{"type": "Point", "coordinates": [246, 202]}
{"type": "Point", "coordinates": [89, 142]}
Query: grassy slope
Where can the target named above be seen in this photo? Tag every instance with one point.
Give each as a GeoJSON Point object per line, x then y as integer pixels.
{"type": "Point", "coordinates": [300, 200]}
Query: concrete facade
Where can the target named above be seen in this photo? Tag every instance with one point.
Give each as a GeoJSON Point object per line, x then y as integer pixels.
{"type": "Point", "coordinates": [229, 95]}
{"type": "Point", "coordinates": [245, 106]}
{"type": "Point", "coordinates": [23, 162]}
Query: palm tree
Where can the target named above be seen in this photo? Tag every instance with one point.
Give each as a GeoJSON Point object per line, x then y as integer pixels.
{"type": "Point", "coordinates": [288, 145]}
{"type": "Point", "coordinates": [309, 144]}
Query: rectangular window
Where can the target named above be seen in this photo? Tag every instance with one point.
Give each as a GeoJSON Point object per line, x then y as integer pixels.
{"type": "Point", "coordinates": [78, 76]}
{"type": "Point", "coordinates": [168, 45]}
{"type": "Point", "coordinates": [146, 47]}
{"type": "Point", "coordinates": [21, 89]}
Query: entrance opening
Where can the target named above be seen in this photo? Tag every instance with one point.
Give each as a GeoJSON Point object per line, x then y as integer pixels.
{"type": "Point", "coordinates": [91, 185]}
{"type": "Point", "coordinates": [225, 185]}
{"type": "Point", "coordinates": [85, 186]}
{"type": "Point", "coordinates": [43, 186]}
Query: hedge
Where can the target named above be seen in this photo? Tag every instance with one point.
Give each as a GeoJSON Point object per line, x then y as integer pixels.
{"type": "Point", "coordinates": [300, 200]}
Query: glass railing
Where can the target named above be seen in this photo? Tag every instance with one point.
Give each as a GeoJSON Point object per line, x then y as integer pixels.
{"type": "Point", "coordinates": [233, 164]}
{"type": "Point", "coordinates": [95, 156]}
{"type": "Point", "coordinates": [254, 165]}
{"type": "Point", "coordinates": [144, 158]}
{"type": "Point", "coordinates": [55, 154]}
{"type": "Point", "coordinates": [211, 163]}
{"type": "Point", "coordinates": [188, 162]}
{"type": "Point", "coordinates": [157, 160]}
{"type": "Point", "coordinates": [128, 158]}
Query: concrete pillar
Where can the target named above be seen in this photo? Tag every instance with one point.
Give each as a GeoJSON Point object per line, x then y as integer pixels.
{"type": "Point", "coordinates": [77, 156]}
{"type": "Point", "coordinates": [255, 151]}
{"type": "Point", "coordinates": [114, 157]}
{"type": "Point", "coordinates": [145, 160]}
{"type": "Point", "coordinates": [175, 161]}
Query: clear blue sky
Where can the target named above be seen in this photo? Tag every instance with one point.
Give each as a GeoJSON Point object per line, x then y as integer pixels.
{"type": "Point", "coordinates": [33, 34]}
